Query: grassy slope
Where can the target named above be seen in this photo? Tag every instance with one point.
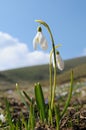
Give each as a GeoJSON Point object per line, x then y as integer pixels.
{"type": "Point", "coordinates": [41, 73]}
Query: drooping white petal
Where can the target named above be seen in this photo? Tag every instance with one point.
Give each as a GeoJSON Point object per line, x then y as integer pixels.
{"type": "Point", "coordinates": [53, 61]}
{"type": "Point", "coordinates": [43, 41]}
{"type": "Point", "coordinates": [40, 39]}
{"type": "Point", "coordinates": [36, 40]}
{"type": "Point", "coordinates": [34, 44]}
{"type": "Point", "coordinates": [60, 62]}
{"type": "Point", "coordinates": [44, 44]}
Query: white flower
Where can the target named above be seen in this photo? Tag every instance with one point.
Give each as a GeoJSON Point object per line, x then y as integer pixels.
{"type": "Point", "coordinates": [2, 118]}
{"type": "Point", "coordinates": [59, 62]}
{"type": "Point", "coordinates": [40, 39]}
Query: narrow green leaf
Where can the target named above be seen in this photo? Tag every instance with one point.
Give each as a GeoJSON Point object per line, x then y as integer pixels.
{"type": "Point", "coordinates": [24, 123]}
{"type": "Point", "coordinates": [22, 97]}
{"type": "Point", "coordinates": [27, 96]}
{"type": "Point", "coordinates": [40, 101]}
{"type": "Point", "coordinates": [69, 96]}
{"type": "Point", "coordinates": [31, 121]}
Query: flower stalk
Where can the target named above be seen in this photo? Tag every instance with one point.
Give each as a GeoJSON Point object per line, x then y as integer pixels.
{"type": "Point", "coordinates": [54, 52]}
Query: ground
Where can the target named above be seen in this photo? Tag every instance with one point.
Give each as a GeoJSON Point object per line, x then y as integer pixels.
{"type": "Point", "coordinates": [74, 118]}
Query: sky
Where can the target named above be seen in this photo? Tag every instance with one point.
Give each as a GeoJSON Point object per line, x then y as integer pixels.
{"type": "Point", "coordinates": [66, 19]}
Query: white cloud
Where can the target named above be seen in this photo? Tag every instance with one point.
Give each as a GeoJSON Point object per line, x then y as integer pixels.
{"type": "Point", "coordinates": [14, 53]}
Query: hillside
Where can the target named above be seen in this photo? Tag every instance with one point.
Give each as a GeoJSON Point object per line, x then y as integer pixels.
{"type": "Point", "coordinates": [41, 73]}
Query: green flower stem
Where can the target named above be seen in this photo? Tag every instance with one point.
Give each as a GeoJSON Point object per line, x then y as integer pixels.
{"type": "Point", "coordinates": [50, 67]}
{"type": "Point", "coordinates": [53, 46]}
{"type": "Point", "coordinates": [50, 119]}
{"type": "Point", "coordinates": [57, 114]}
{"type": "Point", "coordinates": [69, 96]}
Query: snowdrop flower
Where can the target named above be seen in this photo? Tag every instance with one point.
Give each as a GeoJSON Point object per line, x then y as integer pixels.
{"type": "Point", "coordinates": [2, 118]}
{"type": "Point", "coordinates": [40, 39]}
{"type": "Point", "coordinates": [59, 61]}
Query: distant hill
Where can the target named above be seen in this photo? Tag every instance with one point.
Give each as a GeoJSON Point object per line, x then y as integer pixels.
{"type": "Point", "coordinates": [30, 75]}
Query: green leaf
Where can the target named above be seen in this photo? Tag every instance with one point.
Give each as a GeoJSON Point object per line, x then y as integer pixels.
{"type": "Point", "coordinates": [22, 96]}
{"type": "Point", "coordinates": [69, 96]}
{"type": "Point", "coordinates": [31, 121]}
{"type": "Point", "coordinates": [40, 101]}
{"type": "Point", "coordinates": [27, 96]}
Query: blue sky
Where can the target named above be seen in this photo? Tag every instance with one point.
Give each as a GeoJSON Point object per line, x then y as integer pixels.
{"type": "Point", "coordinates": [66, 18]}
